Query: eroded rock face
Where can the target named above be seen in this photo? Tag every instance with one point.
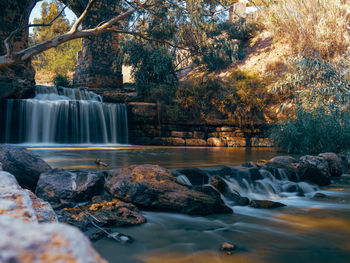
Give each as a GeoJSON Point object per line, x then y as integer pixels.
{"type": "Point", "coordinates": [23, 164]}
{"type": "Point", "coordinates": [153, 187]}
{"type": "Point", "coordinates": [333, 162]}
{"type": "Point", "coordinates": [22, 241]}
{"type": "Point", "coordinates": [104, 213]}
{"type": "Point", "coordinates": [22, 203]}
{"type": "Point", "coordinates": [64, 188]}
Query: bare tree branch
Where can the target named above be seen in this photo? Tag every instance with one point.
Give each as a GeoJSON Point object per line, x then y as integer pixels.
{"type": "Point", "coordinates": [22, 55]}
{"type": "Point", "coordinates": [7, 41]}
{"type": "Point", "coordinates": [82, 17]}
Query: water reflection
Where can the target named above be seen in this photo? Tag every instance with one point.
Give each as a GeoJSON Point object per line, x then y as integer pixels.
{"type": "Point", "coordinates": [169, 157]}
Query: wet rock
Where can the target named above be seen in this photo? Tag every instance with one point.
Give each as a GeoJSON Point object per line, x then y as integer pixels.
{"type": "Point", "coordinates": [319, 195]}
{"type": "Point", "coordinates": [22, 241]}
{"type": "Point", "coordinates": [283, 160]}
{"type": "Point", "coordinates": [104, 213]}
{"type": "Point", "coordinates": [195, 175]}
{"type": "Point", "coordinates": [233, 198]}
{"type": "Point", "coordinates": [65, 188]}
{"type": "Point", "coordinates": [250, 165]}
{"type": "Point", "coordinates": [227, 247]}
{"type": "Point", "coordinates": [313, 169]}
{"type": "Point", "coordinates": [153, 187]}
{"type": "Point", "coordinates": [23, 164]}
{"type": "Point", "coordinates": [333, 163]}
{"type": "Point", "coordinates": [265, 204]}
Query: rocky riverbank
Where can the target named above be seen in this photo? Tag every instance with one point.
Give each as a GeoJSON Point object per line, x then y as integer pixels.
{"type": "Point", "coordinates": [94, 201]}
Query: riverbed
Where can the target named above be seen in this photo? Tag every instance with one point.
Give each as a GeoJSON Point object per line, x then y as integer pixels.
{"type": "Point", "coordinates": [306, 230]}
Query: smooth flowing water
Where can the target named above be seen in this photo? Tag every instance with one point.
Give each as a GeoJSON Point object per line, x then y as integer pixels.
{"type": "Point", "coordinates": [306, 230]}
{"type": "Point", "coordinates": [63, 115]}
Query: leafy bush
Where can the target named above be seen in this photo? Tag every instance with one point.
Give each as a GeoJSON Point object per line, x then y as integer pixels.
{"type": "Point", "coordinates": [60, 80]}
{"type": "Point", "coordinates": [242, 99]}
{"type": "Point", "coordinates": [314, 131]}
{"type": "Point", "coordinates": [311, 27]}
{"type": "Point", "coordinates": [320, 94]}
{"type": "Point", "coordinates": [153, 70]}
{"type": "Point", "coordinates": [222, 45]}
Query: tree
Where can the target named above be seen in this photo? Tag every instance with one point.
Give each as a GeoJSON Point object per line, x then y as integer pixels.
{"type": "Point", "coordinates": [156, 20]}
{"type": "Point", "coordinates": [60, 59]}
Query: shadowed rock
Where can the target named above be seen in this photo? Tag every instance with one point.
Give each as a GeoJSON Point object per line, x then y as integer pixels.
{"type": "Point", "coordinates": [23, 164]}
{"type": "Point", "coordinates": [153, 187]}
{"type": "Point", "coordinates": [64, 188]}
{"type": "Point", "coordinates": [265, 204]}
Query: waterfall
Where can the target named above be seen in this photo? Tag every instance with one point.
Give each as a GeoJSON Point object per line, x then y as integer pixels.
{"type": "Point", "coordinates": [64, 115]}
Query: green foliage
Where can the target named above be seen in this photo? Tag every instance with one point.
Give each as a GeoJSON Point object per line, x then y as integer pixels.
{"type": "Point", "coordinates": [314, 131]}
{"type": "Point", "coordinates": [63, 58]}
{"type": "Point", "coordinates": [320, 92]}
{"type": "Point", "coordinates": [220, 44]}
{"type": "Point", "coordinates": [241, 99]}
{"type": "Point", "coordinates": [153, 69]}
{"type": "Point", "coordinates": [61, 80]}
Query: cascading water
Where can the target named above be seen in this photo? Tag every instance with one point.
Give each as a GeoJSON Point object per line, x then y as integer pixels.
{"type": "Point", "coordinates": [266, 182]}
{"type": "Point", "coordinates": [64, 115]}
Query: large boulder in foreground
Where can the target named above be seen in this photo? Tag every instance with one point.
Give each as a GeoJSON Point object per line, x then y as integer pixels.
{"type": "Point", "coordinates": [153, 187]}
{"type": "Point", "coordinates": [23, 164]}
{"type": "Point", "coordinates": [21, 203]}
{"type": "Point", "coordinates": [23, 238]}
{"type": "Point", "coordinates": [22, 241]}
{"type": "Point", "coordinates": [63, 188]}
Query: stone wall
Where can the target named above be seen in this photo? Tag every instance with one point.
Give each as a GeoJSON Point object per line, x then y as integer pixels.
{"type": "Point", "coordinates": [146, 128]}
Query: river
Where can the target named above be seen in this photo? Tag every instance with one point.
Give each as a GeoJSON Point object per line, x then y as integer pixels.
{"type": "Point", "coordinates": [306, 230]}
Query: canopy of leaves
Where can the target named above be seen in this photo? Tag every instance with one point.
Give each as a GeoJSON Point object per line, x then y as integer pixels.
{"type": "Point", "coordinates": [63, 58]}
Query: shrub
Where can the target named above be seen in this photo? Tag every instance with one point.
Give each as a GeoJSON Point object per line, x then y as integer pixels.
{"type": "Point", "coordinates": [320, 94]}
{"type": "Point", "coordinates": [241, 99]}
{"type": "Point", "coordinates": [61, 80]}
{"type": "Point", "coordinates": [312, 27]}
{"type": "Point", "coordinates": [313, 131]}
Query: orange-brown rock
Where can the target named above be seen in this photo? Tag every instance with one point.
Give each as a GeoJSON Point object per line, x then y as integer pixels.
{"type": "Point", "coordinates": [153, 187]}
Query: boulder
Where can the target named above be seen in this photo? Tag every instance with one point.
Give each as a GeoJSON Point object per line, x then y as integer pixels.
{"type": "Point", "coordinates": [22, 203]}
{"type": "Point", "coordinates": [333, 162]}
{"type": "Point", "coordinates": [23, 164]}
{"type": "Point", "coordinates": [265, 204]}
{"type": "Point", "coordinates": [22, 241]}
{"type": "Point", "coordinates": [104, 213]}
{"type": "Point", "coordinates": [153, 187]}
{"type": "Point", "coordinates": [313, 169]}
{"type": "Point", "coordinates": [65, 188]}
{"type": "Point", "coordinates": [25, 238]}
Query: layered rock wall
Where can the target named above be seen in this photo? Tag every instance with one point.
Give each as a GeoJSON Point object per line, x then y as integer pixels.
{"type": "Point", "coordinates": [146, 127]}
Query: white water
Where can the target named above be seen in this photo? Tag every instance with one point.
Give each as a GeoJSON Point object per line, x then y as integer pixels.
{"type": "Point", "coordinates": [65, 115]}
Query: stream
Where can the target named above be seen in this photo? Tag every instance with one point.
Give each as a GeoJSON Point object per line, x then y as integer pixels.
{"type": "Point", "coordinates": [308, 229]}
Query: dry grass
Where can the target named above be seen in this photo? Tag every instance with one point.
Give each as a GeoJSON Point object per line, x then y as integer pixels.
{"type": "Point", "coordinates": [311, 27]}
